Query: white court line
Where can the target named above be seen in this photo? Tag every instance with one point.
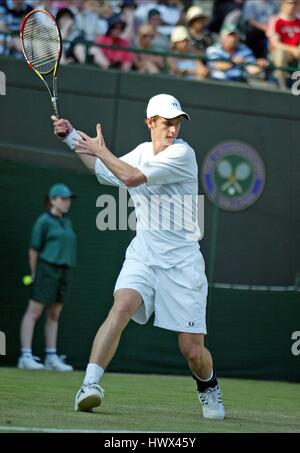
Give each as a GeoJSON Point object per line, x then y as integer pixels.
{"type": "Point", "coordinates": [57, 430]}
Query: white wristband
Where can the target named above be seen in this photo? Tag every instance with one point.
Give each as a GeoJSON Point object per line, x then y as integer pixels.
{"type": "Point", "coordinates": [72, 136]}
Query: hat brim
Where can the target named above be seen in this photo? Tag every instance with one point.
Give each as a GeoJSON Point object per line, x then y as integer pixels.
{"type": "Point", "coordinates": [229, 32]}
{"type": "Point", "coordinates": [72, 195]}
{"type": "Point", "coordinates": [170, 115]}
{"type": "Point", "coordinates": [198, 16]}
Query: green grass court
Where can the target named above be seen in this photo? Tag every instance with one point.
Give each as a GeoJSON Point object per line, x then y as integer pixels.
{"type": "Point", "coordinates": [44, 401]}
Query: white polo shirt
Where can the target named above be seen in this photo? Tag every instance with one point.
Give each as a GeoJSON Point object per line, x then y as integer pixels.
{"type": "Point", "coordinates": [166, 205]}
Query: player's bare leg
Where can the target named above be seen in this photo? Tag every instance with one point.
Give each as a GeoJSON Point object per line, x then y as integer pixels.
{"type": "Point", "coordinates": [106, 342]}
{"type": "Point", "coordinates": [200, 362]}
{"type": "Point", "coordinates": [197, 355]}
{"type": "Point", "coordinates": [126, 302]}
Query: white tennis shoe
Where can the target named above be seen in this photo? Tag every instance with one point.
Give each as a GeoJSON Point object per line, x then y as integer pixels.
{"type": "Point", "coordinates": [88, 397]}
{"type": "Point", "coordinates": [55, 362]}
{"type": "Point", "coordinates": [212, 405]}
{"type": "Point", "coordinates": [30, 363]}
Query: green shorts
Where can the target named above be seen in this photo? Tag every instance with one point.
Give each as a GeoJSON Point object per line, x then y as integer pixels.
{"type": "Point", "coordinates": [51, 283]}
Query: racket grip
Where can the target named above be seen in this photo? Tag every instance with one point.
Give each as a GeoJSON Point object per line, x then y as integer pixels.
{"type": "Point", "coordinates": [57, 113]}
{"type": "Point", "coordinates": [56, 107]}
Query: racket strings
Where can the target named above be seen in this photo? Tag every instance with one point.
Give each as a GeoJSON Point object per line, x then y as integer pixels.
{"type": "Point", "coordinates": [41, 42]}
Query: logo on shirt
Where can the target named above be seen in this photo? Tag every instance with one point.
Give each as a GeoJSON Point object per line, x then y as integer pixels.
{"type": "Point", "coordinates": [233, 176]}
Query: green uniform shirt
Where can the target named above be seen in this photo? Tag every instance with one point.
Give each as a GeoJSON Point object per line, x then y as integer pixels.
{"type": "Point", "coordinates": [53, 237]}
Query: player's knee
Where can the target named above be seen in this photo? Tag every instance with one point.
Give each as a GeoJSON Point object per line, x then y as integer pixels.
{"type": "Point", "coordinates": [122, 309]}
{"type": "Point", "coordinates": [192, 352]}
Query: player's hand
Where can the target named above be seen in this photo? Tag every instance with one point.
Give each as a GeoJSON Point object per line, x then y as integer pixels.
{"type": "Point", "coordinates": [90, 146]}
{"type": "Point", "coordinates": [62, 127]}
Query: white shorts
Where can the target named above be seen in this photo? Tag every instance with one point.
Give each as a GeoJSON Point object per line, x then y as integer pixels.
{"type": "Point", "coordinates": [177, 295]}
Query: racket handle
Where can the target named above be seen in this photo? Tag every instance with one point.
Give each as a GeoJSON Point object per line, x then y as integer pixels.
{"type": "Point", "coordinates": [56, 107]}
{"type": "Point", "coordinates": [57, 113]}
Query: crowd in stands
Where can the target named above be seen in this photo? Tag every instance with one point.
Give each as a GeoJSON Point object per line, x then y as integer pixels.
{"type": "Point", "coordinates": [230, 40]}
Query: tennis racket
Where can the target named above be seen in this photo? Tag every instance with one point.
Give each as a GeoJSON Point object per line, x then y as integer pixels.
{"type": "Point", "coordinates": [42, 46]}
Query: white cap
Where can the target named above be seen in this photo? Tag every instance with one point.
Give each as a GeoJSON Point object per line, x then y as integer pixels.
{"type": "Point", "coordinates": [194, 12]}
{"type": "Point", "coordinates": [179, 33]}
{"type": "Point", "coordinates": [165, 106]}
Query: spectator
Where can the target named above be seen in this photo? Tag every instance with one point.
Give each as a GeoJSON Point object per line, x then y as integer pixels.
{"type": "Point", "coordinates": [48, 5]}
{"type": "Point", "coordinates": [197, 21]}
{"type": "Point", "coordinates": [236, 61]}
{"type": "Point", "coordinates": [283, 32]}
{"type": "Point", "coordinates": [127, 14]}
{"type": "Point", "coordinates": [73, 49]}
{"type": "Point", "coordinates": [147, 63]}
{"type": "Point", "coordinates": [106, 9]}
{"type": "Point", "coordinates": [221, 9]}
{"type": "Point", "coordinates": [15, 12]}
{"type": "Point", "coordinates": [171, 12]}
{"type": "Point", "coordinates": [161, 41]}
{"type": "Point", "coordinates": [2, 7]}
{"type": "Point", "coordinates": [3, 28]}
{"type": "Point", "coordinates": [61, 5]}
{"type": "Point", "coordinates": [187, 67]}
{"type": "Point", "coordinates": [2, 12]}
{"type": "Point", "coordinates": [143, 9]}
{"type": "Point", "coordinates": [113, 58]}
{"type": "Point", "coordinates": [257, 14]}
{"type": "Point", "coordinates": [87, 20]}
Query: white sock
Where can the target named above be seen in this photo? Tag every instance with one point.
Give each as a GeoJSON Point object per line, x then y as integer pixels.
{"type": "Point", "coordinates": [205, 380]}
{"type": "Point", "coordinates": [50, 351]}
{"type": "Point", "coordinates": [93, 374]}
{"type": "Point", "coordinates": [26, 352]}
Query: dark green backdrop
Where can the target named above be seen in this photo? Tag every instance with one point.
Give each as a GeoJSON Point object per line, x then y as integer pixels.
{"type": "Point", "coordinates": [250, 331]}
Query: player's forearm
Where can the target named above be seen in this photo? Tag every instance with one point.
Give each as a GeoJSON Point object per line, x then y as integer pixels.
{"type": "Point", "coordinates": [33, 259]}
{"type": "Point", "coordinates": [128, 174]}
{"type": "Point", "coordinates": [90, 149]}
{"type": "Point", "coordinates": [89, 162]}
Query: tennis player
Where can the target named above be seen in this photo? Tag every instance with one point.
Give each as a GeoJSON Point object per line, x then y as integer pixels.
{"type": "Point", "coordinates": [164, 270]}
